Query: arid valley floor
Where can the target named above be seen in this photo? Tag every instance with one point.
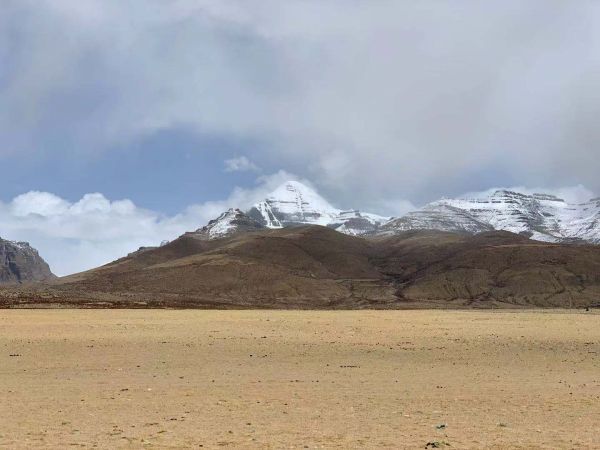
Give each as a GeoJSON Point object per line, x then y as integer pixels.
{"type": "Point", "coordinates": [299, 379]}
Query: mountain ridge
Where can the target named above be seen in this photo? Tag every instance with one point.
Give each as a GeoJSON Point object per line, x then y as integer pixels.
{"type": "Point", "coordinates": [542, 217]}
{"type": "Point", "coordinates": [315, 267]}
{"type": "Point", "coordinates": [539, 216]}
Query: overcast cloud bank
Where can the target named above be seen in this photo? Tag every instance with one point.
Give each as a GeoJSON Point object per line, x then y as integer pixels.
{"type": "Point", "coordinates": [370, 99]}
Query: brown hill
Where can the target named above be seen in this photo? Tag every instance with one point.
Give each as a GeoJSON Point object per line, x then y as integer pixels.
{"type": "Point", "coordinates": [295, 267]}
{"type": "Point", "coordinates": [487, 269]}
{"type": "Point", "coordinates": [316, 267]}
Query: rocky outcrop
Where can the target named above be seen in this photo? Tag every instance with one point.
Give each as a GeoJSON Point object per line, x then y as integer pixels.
{"type": "Point", "coordinates": [21, 263]}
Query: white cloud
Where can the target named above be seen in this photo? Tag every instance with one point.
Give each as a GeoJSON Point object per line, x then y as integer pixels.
{"type": "Point", "coordinates": [240, 164]}
{"type": "Point", "coordinates": [82, 235]}
{"type": "Point", "coordinates": [244, 198]}
{"type": "Point", "coordinates": [393, 208]}
{"type": "Point", "coordinates": [38, 203]}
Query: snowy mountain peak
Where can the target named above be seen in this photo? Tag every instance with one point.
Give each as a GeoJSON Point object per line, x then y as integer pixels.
{"type": "Point", "coordinates": [294, 197]}
{"type": "Point", "coordinates": [294, 203]}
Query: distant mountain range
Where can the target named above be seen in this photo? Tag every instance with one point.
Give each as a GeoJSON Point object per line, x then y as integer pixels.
{"type": "Point", "coordinates": [292, 204]}
{"type": "Point", "coordinates": [295, 250]}
{"type": "Point", "coordinates": [540, 217]}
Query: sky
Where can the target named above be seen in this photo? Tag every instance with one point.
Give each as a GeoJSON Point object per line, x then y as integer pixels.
{"type": "Point", "coordinates": [127, 122]}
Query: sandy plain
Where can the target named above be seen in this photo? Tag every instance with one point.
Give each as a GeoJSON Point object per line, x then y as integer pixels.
{"type": "Point", "coordinates": [299, 379]}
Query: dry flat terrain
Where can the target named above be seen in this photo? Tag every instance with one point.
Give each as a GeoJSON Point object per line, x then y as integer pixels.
{"type": "Point", "coordinates": [299, 379]}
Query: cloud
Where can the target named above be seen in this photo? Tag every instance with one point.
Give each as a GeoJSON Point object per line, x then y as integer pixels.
{"type": "Point", "coordinates": [240, 164]}
{"type": "Point", "coordinates": [392, 208]}
{"type": "Point", "coordinates": [244, 198]}
{"type": "Point", "coordinates": [374, 101]}
{"type": "Point", "coordinates": [90, 232]}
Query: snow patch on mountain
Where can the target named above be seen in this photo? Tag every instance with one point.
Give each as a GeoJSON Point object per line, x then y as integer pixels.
{"type": "Point", "coordinates": [295, 203]}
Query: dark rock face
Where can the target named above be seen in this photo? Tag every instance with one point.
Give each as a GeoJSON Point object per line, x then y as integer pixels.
{"type": "Point", "coordinates": [21, 263]}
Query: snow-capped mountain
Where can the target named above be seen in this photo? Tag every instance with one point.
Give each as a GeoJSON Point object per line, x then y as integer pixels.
{"type": "Point", "coordinates": [227, 224]}
{"type": "Point", "coordinates": [541, 216]}
{"type": "Point", "coordinates": [294, 203]}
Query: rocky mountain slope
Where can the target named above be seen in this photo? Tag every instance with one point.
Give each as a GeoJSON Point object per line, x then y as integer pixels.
{"type": "Point", "coordinates": [317, 267]}
{"type": "Point", "coordinates": [20, 263]}
{"type": "Point", "coordinates": [539, 216]}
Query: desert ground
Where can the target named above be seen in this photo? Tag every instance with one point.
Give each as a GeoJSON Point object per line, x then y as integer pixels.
{"type": "Point", "coordinates": [299, 379]}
